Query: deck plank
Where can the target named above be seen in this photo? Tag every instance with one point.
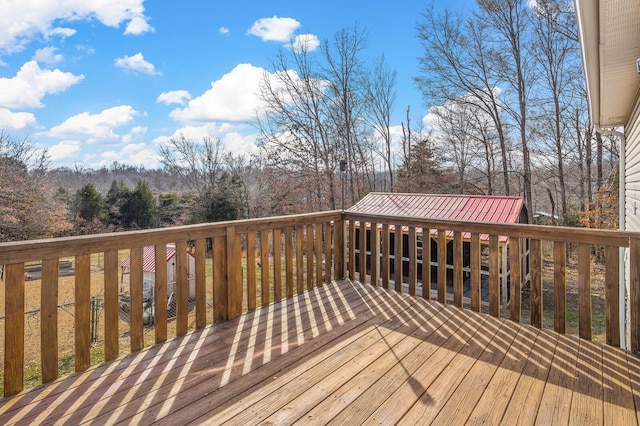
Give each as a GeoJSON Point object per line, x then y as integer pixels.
{"type": "Point", "coordinates": [555, 406]}
{"type": "Point", "coordinates": [619, 405]}
{"type": "Point", "coordinates": [413, 390]}
{"type": "Point", "coordinates": [491, 406]}
{"type": "Point", "coordinates": [587, 403]}
{"type": "Point", "coordinates": [346, 353]}
{"type": "Point", "coordinates": [525, 400]}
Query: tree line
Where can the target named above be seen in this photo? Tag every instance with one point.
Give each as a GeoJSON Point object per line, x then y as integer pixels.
{"type": "Point", "coordinates": [507, 114]}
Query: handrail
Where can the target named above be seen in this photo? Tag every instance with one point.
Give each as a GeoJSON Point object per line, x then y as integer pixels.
{"type": "Point", "coordinates": [310, 241]}
{"type": "Point", "coordinates": [522, 265]}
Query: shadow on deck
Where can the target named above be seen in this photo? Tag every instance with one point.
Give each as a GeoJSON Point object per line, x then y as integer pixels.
{"type": "Point", "coordinates": [351, 354]}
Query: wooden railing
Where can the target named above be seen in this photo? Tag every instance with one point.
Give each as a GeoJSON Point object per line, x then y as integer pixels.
{"type": "Point", "coordinates": [241, 265]}
{"type": "Point", "coordinates": [309, 244]}
{"type": "Point", "coordinates": [387, 251]}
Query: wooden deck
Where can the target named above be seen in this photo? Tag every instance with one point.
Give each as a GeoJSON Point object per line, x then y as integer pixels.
{"type": "Point", "coordinates": [350, 354]}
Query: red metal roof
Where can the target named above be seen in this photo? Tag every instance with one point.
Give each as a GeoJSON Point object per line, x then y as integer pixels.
{"type": "Point", "coordinates": [149, 258]}
{"type": "Point", "coordinates": [473, 208]}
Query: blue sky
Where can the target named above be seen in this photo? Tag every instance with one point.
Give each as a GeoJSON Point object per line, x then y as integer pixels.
{"type": "Point", "coordinates": [111, 81]}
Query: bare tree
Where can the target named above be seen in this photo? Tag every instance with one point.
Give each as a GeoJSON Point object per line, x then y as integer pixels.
{"type": "Point", "coordinates": [511, 25]}
{"type": "Point", "coordinates": [457, 64]}
{"type": "Point", "coordinates": [380, 99]}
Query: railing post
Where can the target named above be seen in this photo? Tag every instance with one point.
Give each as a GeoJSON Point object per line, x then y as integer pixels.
{"type": "Point", "coordinates": [535, 302]}
{"type": "Point", "coordinates": [220, 286]}
{"type": "Point", "coordinates": [83, 312]}
{"type": "Point", "coordinates": [111, 304]}
{"type": "Point", "coordinates": [612, 297]}
{"type": "Point", "coordinates": [442, 266]}
{"type": "Point", "coordinates": [458, 289]}
{"type": "Point", "coordinates": [584, 291]}
{"type": "Point", "coordinates": [49, 320]}
{"type": "Point", "coordinates": [559, 286]}
{"type": "Point", "coordinates": [14, 329]}
{"type": "Point", "coordinates": [494, 276]}
{"type": "Point", "coordinates": [136, 281]}
{"type": "Point", "coordinates": [234, 279]}
{"type": "Point", "coordinates": [516, 279]}
{"type": "Point", "coordinates": [339, 240]}
{"type": "Point", "coordinates": [182, 288]}
{"type": "Point", "coordinates": [475, 251]}
{"type": "Point", "coordinates": [201, 289]}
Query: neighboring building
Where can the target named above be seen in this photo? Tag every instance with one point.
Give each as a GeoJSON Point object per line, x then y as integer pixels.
{"type": "Point", "coordinates": [149, 279]}
{"type": "Point", "coordinates": [473, 208]}
{"type": "Point", "coordinates": [610, 44]}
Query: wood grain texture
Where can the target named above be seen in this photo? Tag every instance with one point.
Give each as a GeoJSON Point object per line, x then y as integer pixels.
{"type": "Point", "coordinates": [277, 264]}
{"type": "Point", "coordinates": [351, 253]}
{"type": "Point", "coordinates": [476, 272]}
{"type": "Point", "coordinates": [251, 271]}
{"type": "Point", "coordinates": [201, 283]}
{"type": "Point", "coordinates": [111, 306]}
{"type": "Point", "coordinates": [584, 291]}
{"type": "Point", "coordinates": [375, 254]}
{"type": "Point", "coordinates": [264, 267]}
{"type": "Point", "coordinates": [426, 263]}
{"type": "Point", "coordinates": [494, 276]}
{"type": "Point", "coordinates": [384, 262]}
{"type": "Point", "coordinates": [220, 307]}
{"type": "Point", "coordinates": [338, 248]}
{"type": "Point", "coordinates": [182, 288]}
{"type": "Point", "coordinates": [83, 312]}
{"type": "Point", "coordinates": [413, 265]}
{"type": "Point", "coordinates": [327, 239]}
{"type": "Point", "coordinates": [300, 258]}
{"type": "Point", "coordinates": [362, 252]}
{"type": "Point", "coordinates": [397, 261]}
{"type": "Point", "coordinates": [234, 272]}
{"type": "Point", "coordinates": [536, 283]}
{"type": "Point", "coordinates": [309, 234]}
{"type": "Point", "coordinates": [612, 295]}
{"type": "Point", "coordinates": [49, 320]}
{"type": "Point", "coordinates": [318, 253]}
{"type": "Point", "coordinates": [457, 269]}
{"type": "Point", "coordinates": [14, 329]}
{"type": "Point", "coordinates": [516, 280]}
{"type": "Point", "coordinates": [560, 287]}
{"type": "Point", "coordinates": [288, 260]}
{"type": "Point", "coordinates": [442, 266]}
{"type": "Point", "coordinates": [161, 293]}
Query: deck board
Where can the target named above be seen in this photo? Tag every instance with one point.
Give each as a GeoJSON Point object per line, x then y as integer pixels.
{"type": "Point", "coordinates": [347, 353]}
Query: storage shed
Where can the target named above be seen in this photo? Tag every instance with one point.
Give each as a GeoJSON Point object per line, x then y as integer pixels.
{"type": "Point", "coordinates": [473, 208]}
{"type": "Point", "coordinates": [149, 279]}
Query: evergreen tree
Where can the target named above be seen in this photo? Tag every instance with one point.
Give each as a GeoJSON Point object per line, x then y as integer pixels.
{"type": "Point", "coordinates": [139, 210]}
{"type": "Point", "coordinates": [88, 203]}
{"type": "Point", "coordinates": [117, 196]}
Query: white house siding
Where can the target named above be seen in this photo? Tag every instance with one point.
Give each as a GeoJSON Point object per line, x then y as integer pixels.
{"type": "Point", "coordinates": [632, 192]}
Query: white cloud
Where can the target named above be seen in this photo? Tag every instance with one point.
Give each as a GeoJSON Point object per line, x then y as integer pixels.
{"type": "Point", "coordinates": [140, 154]}
{"type": "Point", "coordinates": [25, 20]}
{"type": "Point", "coordinates": [304, 43]}
{"type": "Point", "coordinates": [47, 55]}
{"type": "Point", "coordinates": [138, 130]}
{"type": "Point", "coordinates": [138, 25]}
{"type": "Point", "coordinates": [136, 64]}
{"type": "Point", "coordinates": [95, 127]}
{"type": "Point", "coordinates": [223, 30]}
{"type": "Point", "coordinates": [232, 98]}
{"type": "Point", "coordinates": [174, 97]}
{"type": "Point", "coordinates": [63, 150]}
{"type": "Point", "coordinates": [16, 120]}
{"type": "Point", "coordinates": [31, 84]}
{"type": "Point", "coordinates": [231, 135]}
{"type": "Point", "coordinates": [274, 29]}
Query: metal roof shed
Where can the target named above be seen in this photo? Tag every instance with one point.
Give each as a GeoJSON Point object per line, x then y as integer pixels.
{"type": "Point", "coordinates": [474, 208]}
